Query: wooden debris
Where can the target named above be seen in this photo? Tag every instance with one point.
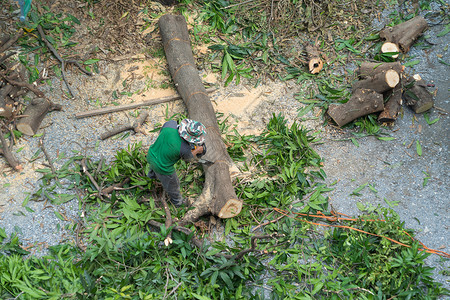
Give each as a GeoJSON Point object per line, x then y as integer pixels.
{"type": "Point", "coordinates": [315, 63]}
{"type": "Point", "coordinates": [380, 82]}
{"type": "Point", "coordinates": [107, 110]}
{"type": "Point", "coordinates": [362, 102]}
{"type": "Point", "coordinates": [6, 152]}
{"type": "Point", "coordinates": [136, 126]}
{"type": "Point", "coordinates": [370, 69]}
{"type": "Point", "coordinates": [404, 34]}
{"type": "Point", "coordinates": [417, 96]}
{"type": "Point", "coordinates": [34, 114]}
{"type": "Point", "coordinates": [392, 106]}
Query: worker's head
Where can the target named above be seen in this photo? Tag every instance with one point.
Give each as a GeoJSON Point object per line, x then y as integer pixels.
{"type": "Point", "coordinates": [192, 131]}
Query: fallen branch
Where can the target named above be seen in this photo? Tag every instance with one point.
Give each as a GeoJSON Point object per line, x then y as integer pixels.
{"type": "Point", "coordinates": [94, 182]}
{"type": "Point", "coordinates": [392, 106]}
{"type": "Point", "coordinates": [136, 126]}
{"type": "Point", "coordinates": [168, 240]}
{"type": "Point", "coordinates": [370, 69]}
{"type": "Point", "coordinates": [404, 34]}
{"type": "Point", "coordinates": [11, 41]}
{"type": "Point", "coordinates": [34, 114]}
{"type": "Point", "coordinates": [108, 110]}
{"type": "Point", "coordinates": [110, 189]}
{"type": "Point", "coordinates": [27, 85]}
{"type": "Point", "coordinates": [41, 145]}
{"type": "Point", "coordinates": [417, 96]}
{"type": "Point", "coordinates": [380, 82]}
{"type": "Point", "coordinates": [12, 161]}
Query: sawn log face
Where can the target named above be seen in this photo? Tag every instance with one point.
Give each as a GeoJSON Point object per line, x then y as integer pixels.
{"type": "Point", "coordinates": [218, 192]}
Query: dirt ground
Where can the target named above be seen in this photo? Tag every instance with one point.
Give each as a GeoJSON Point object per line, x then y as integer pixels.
{"type": "Point", "coordinates": [393, 167]}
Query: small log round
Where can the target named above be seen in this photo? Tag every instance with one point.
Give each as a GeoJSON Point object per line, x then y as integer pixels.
{"type": "Point", "coordinates": [369, 69]}
{"type": "Point", "coordinates": [315, 63]}
{"type": "Point", "coordinates": [404, 34]}
{"type": "Point", "coordinates": [362, 102]}
{"type": "Point", "coordinates": [389, 47]}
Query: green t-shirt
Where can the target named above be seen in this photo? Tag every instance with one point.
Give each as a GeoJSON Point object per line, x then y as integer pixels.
{"type": "Point", "coordinates": [168, 148]}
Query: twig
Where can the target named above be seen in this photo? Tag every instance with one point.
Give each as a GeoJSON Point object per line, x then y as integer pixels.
{"type": "Point", "coordinates": [268, 222]}
{"type": "Point", "coordinates": [114, 187]}
{"type": "Point", "coordinates": [85, 170]}
{"type": "Point", "coordinates": [41, 144]}
{"type": "Point", "coordinates": [55, 53]}
{"type": "Point", "coordinates": [253, 245]}
{"type": "Point", "coordinates": [168, 222]}
{"type": "Point", "coordinates": [237, 4]}
{"type": "Point", "coordinates": [136, 126]}
{"type": "Point", "coordinates": [175, 288]}
{"type": "Point", "coordinates": [79, 67]}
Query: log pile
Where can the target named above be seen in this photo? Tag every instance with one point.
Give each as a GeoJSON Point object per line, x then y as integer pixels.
{"type": "Point", "coordinates": [13, 84]}
{"type": "Point", "coordinates": [386, 81]}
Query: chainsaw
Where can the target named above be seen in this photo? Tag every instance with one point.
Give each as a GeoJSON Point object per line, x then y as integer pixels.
{"type": "Point", "coordinates": [199, 159]}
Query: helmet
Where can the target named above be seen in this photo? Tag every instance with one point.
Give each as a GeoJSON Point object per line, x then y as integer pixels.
{"type": "Point", "coordinates": [192, 131]}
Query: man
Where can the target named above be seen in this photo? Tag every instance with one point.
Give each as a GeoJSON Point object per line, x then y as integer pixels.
{"type": "Point", "coordinates": [175, 141]}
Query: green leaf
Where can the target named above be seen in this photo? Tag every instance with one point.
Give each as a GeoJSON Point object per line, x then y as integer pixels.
{"type": "Point", "coordinates": [355, 142]}
{"type": "Point", "coordinates": [91, 61]}
{"type": "Point", "coordinates": [59, 216]}
{"type": "Point", "coordinates": [427, 119]}
{"type": "Point", "coordinates": [412, 63]}
{"type": "Point", "coordinates": [226, 279]}
{"type": "Point", "coordinates": [391, 204]}
{"type": "Point", "coordinates": [200, 297]}
{"type": "Point", "coordinates": [445, 31]}
{"type": "Point", "coordinates": [386, 138]}
{"type": "Point", "coordinates": [360, 206]}
{"type": "Point", "coordinates": [359, 189]}
{"type": "Point", "coordinates": [317, 287]}
{"type": "Point", "coordinates": [418, 148]}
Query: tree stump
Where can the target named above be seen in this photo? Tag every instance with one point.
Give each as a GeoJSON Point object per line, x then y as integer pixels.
{"type": "Point", "coordinates": [417, 96]}
{"type": "Point", "coordinates": [34, 114]}
{"type": "Point", "coordinates": [362, 102]}
{"type": "Point", "coordinates": [404, 34]}
{"type": "Point", "coordinates": [218, 196]}
{"type": "Point", "coordinates": [380, 82]}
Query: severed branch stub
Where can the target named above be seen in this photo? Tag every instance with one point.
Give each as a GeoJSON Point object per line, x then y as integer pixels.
{"type": "Point", "coordinates": [404, 34]}
{"type": "Point", "coordinates": [417, 96]}
{"type": "Point", "coordinates": [370, 69]}
{"type": "Point", "coordinates": [392, 106]}
{"type": "Point", "coordinates": [315, 63]}
{"type": "Point", "coordinates": [362, 102]}
{"type": "Point", "coordinates": [136, 126]}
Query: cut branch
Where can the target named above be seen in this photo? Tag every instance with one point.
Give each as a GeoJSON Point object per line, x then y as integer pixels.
{"type": "Point", "coordinates": [34, 114]}
{"type": "Point", "coordinates": [417, 96]}
{"type": "Point", "coordinates": [362, 102]}
{"type": "Point", "coordinates": [315, 63]}
{"type": "Point", "coordinates": [380, 82]}
{"type": "Point", "coordinates": [404, 34]}
{"type": "Point", "coordinates": [136, 126]}
{"type": "Point", "coordinates": [392, 106]}
{"type": "Point", "coordinates": [370, 69]}
{"type": "Point", "coordinates": [5, 46]}
{"type": "Point", "coordinates": [27, 85]}
{"type": "Point", "coordinates": [10, 158]}
{"type": "Point", "coordinates": [123, 107]}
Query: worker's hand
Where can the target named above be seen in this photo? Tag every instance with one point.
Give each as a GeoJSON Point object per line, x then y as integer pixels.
{"type": "Point", "coordinates": [197, 150]}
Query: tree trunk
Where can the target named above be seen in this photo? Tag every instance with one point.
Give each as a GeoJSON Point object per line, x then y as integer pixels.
{"type": "Point", "coordinates": [392, 106]}
{"type": "Point", "coordinates": [404, 34]}
{"type": "Point", "coordinates": [362, 102]}
{"type": "Point", "coordinates": [418, 97]}
{"type": "Point", "coordinates": [380, 82]}
{"type": "Point", "coordinates": [34, 114]}
{"type": "Point", "coordinates": [370, 69]}
{"type": "Point", "coordinates": [218, 196]}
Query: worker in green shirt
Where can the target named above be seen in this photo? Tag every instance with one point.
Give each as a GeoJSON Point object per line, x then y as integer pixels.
{"type": "Point", "coordinates": [184, 141]}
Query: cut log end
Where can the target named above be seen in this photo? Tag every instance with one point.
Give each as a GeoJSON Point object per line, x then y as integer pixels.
{"type": "Point", "coordinates": [315, 65]}
{"type": "Point", "coordinates": [392, 78]}
{"type": "Point", "coordinates": [231, 209]}
{"type": "Point", "coordinates": [25, 129]}
{"type": "Point", "coordinates": [389, 47]}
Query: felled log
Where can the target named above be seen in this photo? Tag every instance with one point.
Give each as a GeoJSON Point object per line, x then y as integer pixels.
{"type": "Point", "coordinates": [10, 158]}
{"type": "Point", "coordinates": [10, 41]}
{"type": "Point", "coordinates": [370, 69]}
{"type": "Point", "coordinates": [218, 196]}
{"type": "Point", "coordinates": [34, 114]}
{"type": "Point", "coordinates": [380, 82]}
{"type": "Point", "coordinates": [136, 126]}
{"type": "Point", "coordinates": [392, 106]}
{"type": "Point", "coordinates": [417, 96]}
{"type": "Point", "coordinates": [315, 63]}
{"type": "Point", "coordinates": [404, 34]}
{"type": "Point", "coordinates": [361, 103]}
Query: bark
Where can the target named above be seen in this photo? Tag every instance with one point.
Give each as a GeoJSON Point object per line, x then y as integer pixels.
{"type": "Point", "coordinates": [362, 102]}
{"type": "Point", "coordinates": [8, 43]}
{"type": "Point", "coordinates": [392, 106]}
{"type": "Point", "coordinates": [380, 82]}
{"type": "Point", "coordinates": [34, 114]}
{"type": "Point", "coordinates": [418, 97]}
{"type": "Point", "coordinates": [404, 34]}
{"type": "Point", "coordinates": [218, 196]}
{"type": "Point", "coordinates": [370, 69]}
{"type": "Point", "coordinates": [315, 63]}
{"type": "Point", "coordinates": [136, 126]}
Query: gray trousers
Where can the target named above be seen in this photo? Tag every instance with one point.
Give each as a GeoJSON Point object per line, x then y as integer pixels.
{"type": "Point", "coordinates": [171, 185]}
